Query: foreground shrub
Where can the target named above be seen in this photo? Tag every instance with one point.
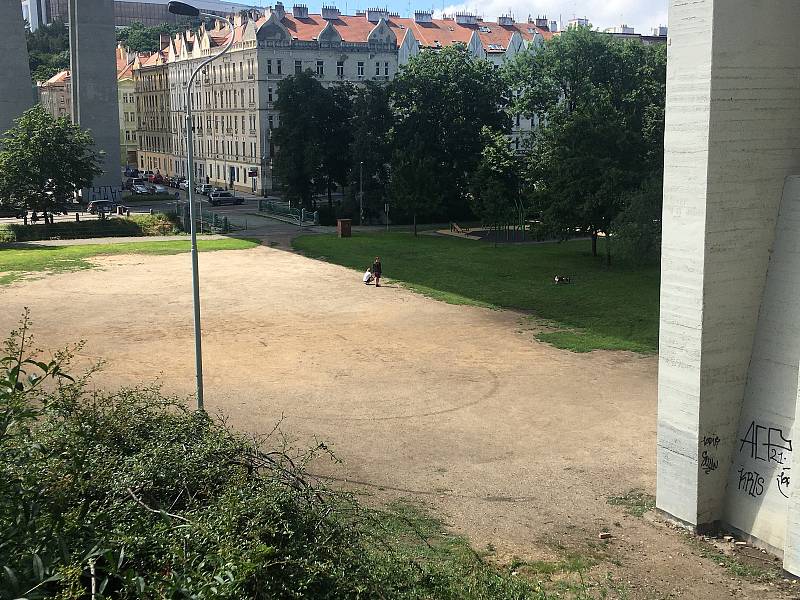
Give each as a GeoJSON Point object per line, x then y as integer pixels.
{"type": "Point", "coordinates": [132, 495]}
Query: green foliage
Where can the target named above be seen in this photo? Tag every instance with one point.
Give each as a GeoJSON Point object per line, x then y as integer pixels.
{"type": "Point", "coordinates": [496, 183]}
{"type": "Point", "coordinates": [370, 126]}
{"type": "Point", "coordinates": [139, 38]}
{"type": "Point", "coordinates": [441, 102]}
{"type": "Point", "coordinates": [48, 50]}
{"type": "Point", "coordinates": [132, 495]}
{"type": "Point", "coordinates": [613, 308]}
{"type": "Point", "coordinates": [637, 228]}
{"type": "Point", "coordinates": [603, 135]}
{"type": "Point", "coordinates": [313, 137]}
{"type": "Point", "coordinates": [135, 225]}
{"type": "Point", "coordinates": [16, 263]}
{"type": "Point", "coordinates": [44, 161]}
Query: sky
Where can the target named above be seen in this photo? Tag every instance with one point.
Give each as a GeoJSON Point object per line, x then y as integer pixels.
{"type": "Point", "coordinates": [643, 15]}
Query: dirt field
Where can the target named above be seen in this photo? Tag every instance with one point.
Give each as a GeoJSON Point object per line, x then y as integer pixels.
{"type": "Point", "coordinates": [514, 443]}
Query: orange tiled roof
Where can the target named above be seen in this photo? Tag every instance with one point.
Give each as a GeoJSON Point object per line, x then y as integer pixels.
{"type": "Point", "coordinates": [60, 77]}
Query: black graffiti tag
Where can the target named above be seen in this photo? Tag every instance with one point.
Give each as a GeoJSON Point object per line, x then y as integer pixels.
{"type": "Point", "coordinates": [751, 482]}
{"type": "Point", "coordinates": [709, 463]}
{"type": "Point", "coordinates": [766, 443]}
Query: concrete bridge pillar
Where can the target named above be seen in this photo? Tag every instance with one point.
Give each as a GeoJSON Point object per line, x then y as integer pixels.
{"type": "Point", "coordinates": [17, 93]}
{"type": "Point", "coordinates": [94, 84]}
{"type": "Point", "coordinates": [732, 138]}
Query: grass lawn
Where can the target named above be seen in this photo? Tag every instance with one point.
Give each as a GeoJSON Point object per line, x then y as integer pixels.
{"type": "Point", "coordinates": [613, 309]}
{"type": "Point", "coordinates": [17, 262]}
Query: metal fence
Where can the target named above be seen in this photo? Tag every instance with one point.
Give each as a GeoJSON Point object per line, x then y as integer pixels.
{"type": "Point", "coordinates": [299, 216]}
{"type": "Point", "coordinates": [209, 221]}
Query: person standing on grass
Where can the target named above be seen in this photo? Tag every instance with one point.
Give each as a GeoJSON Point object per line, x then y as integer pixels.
{"type": "Point", "coordinates": [376, 271]}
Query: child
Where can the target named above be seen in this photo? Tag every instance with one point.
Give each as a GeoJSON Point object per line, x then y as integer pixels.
{"type": "Point", "coordinates": [368, 276]}
{"type": "Point", "coordinates": [376, 271]}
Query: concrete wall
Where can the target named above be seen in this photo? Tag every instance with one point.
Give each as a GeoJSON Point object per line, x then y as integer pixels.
{"type": "Point", "coordinates": [94, 84]}
{"type": "Point", "coordinates": [732, 137]}
{"type": "Point", "coordinates": [15, 77]}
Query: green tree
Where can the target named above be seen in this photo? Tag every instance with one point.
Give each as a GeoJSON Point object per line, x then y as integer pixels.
{"type": "Point", "coordinates": [602, 137]}
{"type": "Point", "coordinates": [45, 161]}
{"type": "Point", "coordinates": [140, 38]}
{"type": "Point", "coordinates": [48, 50]}
{"type": "Point", "coordinates": [313, 137]}
{"type": "Point", "coordinates": [441, 101]}
{"type": "Point", "coordinates": [370, 127]}
{"type": "Point", "coordinates": [496, 182]}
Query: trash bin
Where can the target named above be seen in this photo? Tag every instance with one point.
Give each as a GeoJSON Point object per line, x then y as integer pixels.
{"type": "Point", "coordinates": [343, 227]}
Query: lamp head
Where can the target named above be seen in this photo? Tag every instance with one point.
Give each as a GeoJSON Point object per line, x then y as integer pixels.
{"type": "Point", "coordinates": [181, 8]}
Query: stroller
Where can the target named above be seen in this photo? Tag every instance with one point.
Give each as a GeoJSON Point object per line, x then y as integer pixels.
{"type": "Point", "coordinates": [367, 279]}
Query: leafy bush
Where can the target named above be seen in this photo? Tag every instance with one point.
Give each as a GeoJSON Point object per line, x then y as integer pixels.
{"type": "Point", "coordinates": [136, 225]}
{"type": "Point", "coordinates": [132, 495]}
{"type": "Point", "coordinates": [637, 229]}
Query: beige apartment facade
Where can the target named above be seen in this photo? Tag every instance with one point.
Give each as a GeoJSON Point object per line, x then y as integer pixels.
{"type": "Point", "coordinates": [55, 94]}
{"type": "Point", "coordinates": [234, 98]}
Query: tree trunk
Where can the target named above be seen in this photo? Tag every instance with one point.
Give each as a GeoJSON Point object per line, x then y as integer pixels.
{"type": "Point", "coordinates": [330, 200]}
{"type": "Point", "coordinates": [608, 249]}
{"type": "Point", "coordinates": [415, 224]}
{"type": "Point", "coordinates": [594, 243]}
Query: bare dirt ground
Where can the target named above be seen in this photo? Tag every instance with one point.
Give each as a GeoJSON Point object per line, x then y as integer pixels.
{"type": "Point", "coordinates": [515, 444]}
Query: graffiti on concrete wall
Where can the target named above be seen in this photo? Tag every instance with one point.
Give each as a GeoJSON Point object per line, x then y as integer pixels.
{"type": "Point", "coordinates": [106, 192]}
{"type": "Point", "coordinates": [770, 446]}
{"type": "Point", "coordinates": [710, 462]}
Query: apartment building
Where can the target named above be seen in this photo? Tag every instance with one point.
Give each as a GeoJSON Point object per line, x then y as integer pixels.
{"type": "Point", "coordinates": [55, 94]}
{"type": "Point", "coordinates": [234, 97]}
{"type": "Point", "coordinates": [152, 107]}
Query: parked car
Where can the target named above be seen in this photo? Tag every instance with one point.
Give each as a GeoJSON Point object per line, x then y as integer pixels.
{"type": "Point", "coordinates": [158, 189]}
{"type": "Point", "coordinates": [140, 189]}
{"type": "Point", "coordinates": [218, 198]}
{"type": "Point", "coordinates": [131, 172]}
{"type": "Point", "coordinates": [204, 188]}
{"type": "Point", "coordinates": [146, 175]}
{"type": "Point", "coordinates": [184, 184]}
{"type": "Point", "coordinates": [12, 212]}
{"type": "Point", "coordinates": [101, 206]}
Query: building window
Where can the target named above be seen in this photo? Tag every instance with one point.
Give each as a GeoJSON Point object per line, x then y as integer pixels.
{"type": "Point", "coordinates": [298, 67]}
{"type": "Point", "coordinates": [271, 121]}
{"type": "Point", "coordinates": [269, 67]}
{"type": "Point", "coordinates": [269, 94]}
{"type": "Point", "coordinates": [320, 68]}
{"type": "Point", "coordinates": [278, 65]}
{"type": "Point", "coordinates": [377, 68]}
{"type": "Point", "coordinates": [386, 69]}
{"type": "Point", "coordinates": [340, 68]}
{"type": "Point", "coordinates": [360, 70]}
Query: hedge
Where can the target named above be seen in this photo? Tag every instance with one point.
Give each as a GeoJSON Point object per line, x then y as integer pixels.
{"type": "Point", "coordinates": [135, 225]}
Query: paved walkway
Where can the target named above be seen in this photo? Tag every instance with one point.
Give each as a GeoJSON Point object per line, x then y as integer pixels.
{"type": "Point", "coordinates": [112, 240]}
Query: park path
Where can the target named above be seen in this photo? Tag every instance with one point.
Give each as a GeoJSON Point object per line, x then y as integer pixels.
{"type": "Point", "coordinates": [516, 444]}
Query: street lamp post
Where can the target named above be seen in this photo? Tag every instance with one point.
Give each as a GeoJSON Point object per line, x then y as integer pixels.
{"type": "Point", "coordinates": [181, 8]}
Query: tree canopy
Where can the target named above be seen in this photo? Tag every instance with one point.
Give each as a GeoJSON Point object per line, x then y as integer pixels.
{"type": "Point", "coordinates": [313, 137]}
{"type": "Point", "coordinates": [140, 38]}
{"type": "Point", "coordinates": [48, 50]}
{"type": "Point", "coordinates": [441, 102]}
{"type": "Point", "coordinates": [44, 161]}
{"type": "Point", "coordinates": [602, 138]}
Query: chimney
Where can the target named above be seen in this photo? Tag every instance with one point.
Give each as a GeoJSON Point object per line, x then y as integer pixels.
{"type": "Point", "coordinates": [542, 22]}
{"type": "Point", "coordinates": [300, 11]}
{"type": "Point", "coordinates": [553, 26]}
{"type": "Point", "coordinates": [376, 14]}
{"type": "Point", "coordinates": [279, 11]}
{"type": "Point", "coordinates": [330, 13]}
{"type": "Point", "coordinates": [423, 16]}
{"type": "Point", "coordinates": [505, 20]}
{"type": "Point", "coordinates": [466, 19]}
{"type": "Point", "coordinates": [164, 40]}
